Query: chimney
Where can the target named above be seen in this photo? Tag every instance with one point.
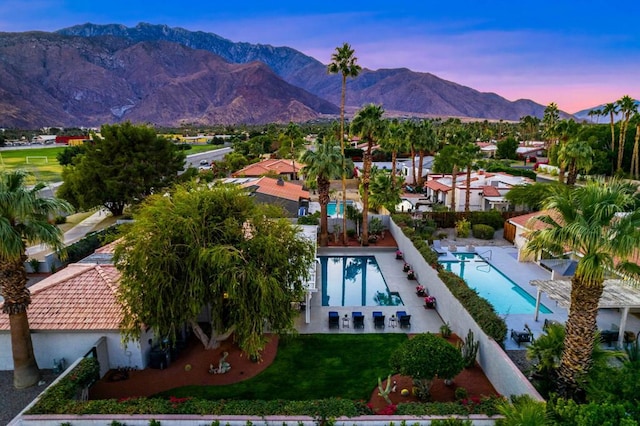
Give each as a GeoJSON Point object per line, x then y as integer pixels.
{"type": "Point", "coordinates": [280, 181]}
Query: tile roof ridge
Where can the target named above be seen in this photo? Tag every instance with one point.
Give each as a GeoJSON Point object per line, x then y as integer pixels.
{"type": "Point", "coordinates": [103, 274]}
{"type": "Point", "coordinates": [61, 276]}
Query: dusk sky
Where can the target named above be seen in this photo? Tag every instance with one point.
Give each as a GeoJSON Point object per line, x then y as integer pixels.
{"type": "Point", "coordinates": [578, 54]}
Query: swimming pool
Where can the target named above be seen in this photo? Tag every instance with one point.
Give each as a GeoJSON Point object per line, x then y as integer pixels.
{"type": "Point", "coordinates": [506, 296]}
{"type": "Point", "coordinates": [354, 281]}
{"type": "Point", "coordinates": [331, 208]}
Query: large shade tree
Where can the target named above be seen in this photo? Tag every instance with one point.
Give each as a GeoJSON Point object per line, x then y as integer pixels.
{"type": "Point", "coordinates": [199, 248]}
{"type": "Point", "coordinates": [600, 223]}
{"type": "Point", "coordinates": [25, 218]}
{"type": "Point", "coordinates": [368, 124]}
{"type": "Point", "coordinates": [122, 166]}
{"type": "Point", "coordinates": [323, 164]}
{"type": "Point", "coordinates": [345, 63]}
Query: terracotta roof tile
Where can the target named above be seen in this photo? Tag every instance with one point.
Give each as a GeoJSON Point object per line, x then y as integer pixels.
{"type": "Point", "coordinates": [279, 166]}
{"type": "Point", "coordinates": [79, 297]}
{"type": "Point", "coordinates": [490, 191]}
{"type": "Point", "coordinates": [269, 186]}
{"type": "Point", "coordinates": [437, 186]}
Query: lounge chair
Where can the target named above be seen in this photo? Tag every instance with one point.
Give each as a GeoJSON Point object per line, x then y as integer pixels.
{"type": "Point", "coordinates": [437, 247]}
{"type": "Point", "coordinates": [405, 321]}
{"type": "Point", "coordinates": [358, 319]}
{"type": "Point", "coordinates": [334, 320]}
{"type": "Point", "coordinates": [378, 319]}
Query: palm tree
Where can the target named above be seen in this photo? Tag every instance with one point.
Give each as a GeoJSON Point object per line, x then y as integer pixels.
{"type": "Point", "coordinates": [383, 191]}
{"type": "Point", "coordinates": [368, 124]}
{"type": "Point", "coordinates": [598, 222]}
{"type": "Point", "coordinates": [564, 130]}
{"type": "Point", "coordinates": [322, 165]}
{"type": "Point", "coordinates": [577, 155]}
{"type": "Point", "coordinates": [344, 62]}
{"type": "Point", "coordinates": [394, 140]}
{"type": "Point", "coordinates": [424, 139]}
{"type": "Point", "coordinates": [24, 219]}
{"type": "Point", "coordinates": [549, 120]}
{"type": "Point", "coordinates": [611, 109]}
{"type": "Point", "coordinates": [627, 107]}
{"type": "Point", "coordinates": [635, 158]}
{"type": "Point", "coordinates": [468, 154]}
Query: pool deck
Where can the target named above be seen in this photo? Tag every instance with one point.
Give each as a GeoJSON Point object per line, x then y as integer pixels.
{"type": "Point", "coordinates": [424, 320]}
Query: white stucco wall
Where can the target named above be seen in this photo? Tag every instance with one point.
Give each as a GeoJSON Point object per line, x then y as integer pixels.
{"type": "Point", "coordinates": [48, 346]}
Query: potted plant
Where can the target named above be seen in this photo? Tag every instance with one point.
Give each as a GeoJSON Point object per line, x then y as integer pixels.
{"type": "Point", "coordinates": [429, 302]}
{"type": "Point", "coordinates": [399, 255]}
{"type": "Point", "coordinates": [445, 330]}
{"type": "Point", "coordinates": [411, 275]}
{"type": "Point", "coordinates": [421, 291]}
{"type": "Point", "coordinates": [406, 267]}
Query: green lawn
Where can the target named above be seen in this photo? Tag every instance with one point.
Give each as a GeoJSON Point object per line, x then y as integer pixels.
{"type": "Point", "coordinates": [50, 170]}
{"type": "Point", "coordinates": [312, 367]}
{"type": "Point", "coordinates": [32, 160]}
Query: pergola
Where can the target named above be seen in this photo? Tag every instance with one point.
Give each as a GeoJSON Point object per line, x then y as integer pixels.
{"type": "Point", "coordinates": [617, 294]}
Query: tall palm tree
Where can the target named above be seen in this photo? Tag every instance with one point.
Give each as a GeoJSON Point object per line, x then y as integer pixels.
{"type": "Point", "coordinates": [598, 222]}
{"type": "Point", "coordinates": [368, 124]}
{"type": "Point", "coordinates": [611, 109]}
{"type": "Point", "coordinates": [394, 140]}
{"type": "Point", "coordinates": [469, 153]}
{"type": "Point", "coordinates": [25, 219]}
{"type": "Point", "coordinates": [577, 155]}
{"type": "Point", "coordinates": [383, 191]}
{"type": "Point", "coordinates": [635, 158]}
{"type": "Point", "coordinates": [344, 62]}
{"type": "Point", "coordinates": [564, 130]}
{"type": "Point", "coordinates": [549, 120]}
{"type": "Point", "coordinates": [627, 107]}
{"type": "Point", "coordinates": [323, 164]}
{"type": "Point", "coordinates": [424, 138]}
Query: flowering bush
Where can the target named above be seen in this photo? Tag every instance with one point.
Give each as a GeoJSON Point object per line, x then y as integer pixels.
{"type": "Point", "coordinates": [420, 288]}
{"type": "Point", "coordinates": [411, 275]}
{"type": "Point", "coordinates": [429, 300]}
{"type": "Point", "coordinates": [406, 267]}
{"type": "Point", "coordinates": [398, 254]}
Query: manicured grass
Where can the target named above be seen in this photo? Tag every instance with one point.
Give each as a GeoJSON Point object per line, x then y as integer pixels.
{"type": "Point", "coordinates": [50, 171]}
{"type": "Point", "coordinates": [313, 367]}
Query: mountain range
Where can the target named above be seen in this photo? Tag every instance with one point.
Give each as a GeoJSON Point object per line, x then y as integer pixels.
{"type": "Point", "coordinates": [89, 74]}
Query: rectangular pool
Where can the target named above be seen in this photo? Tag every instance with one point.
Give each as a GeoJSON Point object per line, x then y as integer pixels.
{"type": "Point", "coordinates": [506, 296]}
{"type": "Point", "coordinates": [331, 208]}
{"type": "Point", "coordinates": [354, 281]}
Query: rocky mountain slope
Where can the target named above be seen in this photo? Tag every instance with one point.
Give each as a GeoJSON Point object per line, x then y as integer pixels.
{"type": "Point", "coordinates": [90, 74]}
{"type": "Point", "coordinates": [399, 90]}
{"type": "Point", "coordinates": [53, 79]}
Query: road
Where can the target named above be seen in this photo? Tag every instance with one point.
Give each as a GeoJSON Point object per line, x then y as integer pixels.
{"type": "Point", "coordinates": [193, 160]}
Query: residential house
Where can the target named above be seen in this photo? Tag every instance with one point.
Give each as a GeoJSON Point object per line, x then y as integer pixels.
{"type": "Point", "coordinates": [75, 310]}
{"type": "Point", "coordinates": [290, 195]}
{"type": "Point", "coordinates": [284, 168]}
{"type": "Point", "coordinates": [487, 190]}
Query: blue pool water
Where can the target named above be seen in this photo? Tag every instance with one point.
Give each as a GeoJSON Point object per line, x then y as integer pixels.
{"type": "Point", "coordinates": [331, 208]}
{"type": "Point", "coordinates": [506, 296]}
{"type": "Point", "coordinates": [354, 281]}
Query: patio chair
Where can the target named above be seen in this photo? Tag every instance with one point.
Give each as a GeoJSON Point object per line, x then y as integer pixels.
{"type": "Point", "coordinates": [405, 321]}
{"type": "Point", "coordinates": [378, 319]}
{"type": "Point", "coordinates": [609, 336]}
{"type": "Point", "coordinates": [358, 319]}
{"type": "Point", "coordinates": [334, 320]}
{"type": "Point", "coordinates": [521, 336]}
{"type": "Point", "coordinates": [437, 247]}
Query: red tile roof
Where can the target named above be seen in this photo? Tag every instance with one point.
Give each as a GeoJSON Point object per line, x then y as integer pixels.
{"type": "Point", "coordinates": [269, 186]}
{"type": "Point", "coordinates": [490, 191]}
{"type": "Point", "coordinates": [278, 166]}
{"type": "Point", "coordinates": [78, 297]}
{"type": "Point", "coordinates": [437, 186]}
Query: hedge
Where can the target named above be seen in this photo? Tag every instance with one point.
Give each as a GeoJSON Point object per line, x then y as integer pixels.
{"type": "Point", "coordinates": [478, 307]}
{"type": "Point", "coordinates": [484, 232]}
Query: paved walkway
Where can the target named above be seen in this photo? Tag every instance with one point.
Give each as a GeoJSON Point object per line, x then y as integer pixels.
{"type": "Point", "coordinates": [75, 233]}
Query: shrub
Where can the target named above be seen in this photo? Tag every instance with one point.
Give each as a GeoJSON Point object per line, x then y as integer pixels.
{"type": "Point", "coordinates": [463, 228]}
{"type": "Point", "coordinates": [492, 218]}
{"type": "Point", "coordinates": [59, 220]}
{"type": "Point", "coordinates": [484, 232]}
{"type": "Point", "coordinates": [311, 219]}
{"type": "Point", "coordinates": [86, 246]}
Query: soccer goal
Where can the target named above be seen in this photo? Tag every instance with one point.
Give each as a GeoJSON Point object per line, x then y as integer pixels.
{"type": "Point", "coordinates": [37, 159]}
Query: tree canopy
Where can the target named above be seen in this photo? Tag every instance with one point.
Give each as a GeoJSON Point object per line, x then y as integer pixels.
{"type": "Point", "coordinates": [123, 166]}
{"type": "Point", "coordinates": [200, 247]}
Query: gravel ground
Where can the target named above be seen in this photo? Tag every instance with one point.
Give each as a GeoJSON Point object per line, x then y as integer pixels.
{"type": "Point", "coordinates": [14, 400]}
